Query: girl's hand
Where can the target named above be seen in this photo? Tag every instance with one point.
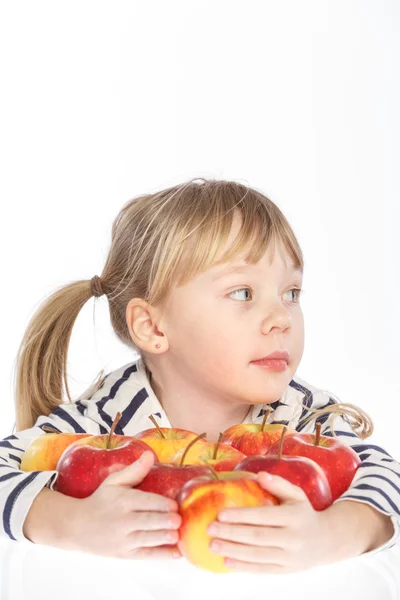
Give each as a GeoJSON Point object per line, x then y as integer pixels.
{"type": "Point", "coordinates": [283, 538]}
{"type": "Point", "coordinates": [122, 522]}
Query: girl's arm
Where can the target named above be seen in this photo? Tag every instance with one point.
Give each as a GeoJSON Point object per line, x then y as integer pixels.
{"type": "Point", "coordinates": [376, 483]}
{"type": "Point", "coordinates": [49, 519]}
{"type": "Point", "coordinates": [18, 489]}
{"type": "Point", "coordinates": [117, 520]}
{"type": "Point", "coordinates": [356, 528]}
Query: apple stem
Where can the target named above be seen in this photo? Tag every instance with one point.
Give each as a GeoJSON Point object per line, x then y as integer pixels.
{"type": "Point", "coordinates": [281, 441]}
{"type": "Point", "coordinates": [213, 471]}
{"type": "Point", "coordinates": [318, 433]}
{"type": "Point", "coordinates": [113, 426]}
{"type": "Point", "coordinates": [196, 439]}
{"type": "Point", "coordinates": [152, 419]}
{"type": "Point", "coordinates": [50, 429]}
{"type": "Point", "coordinates": [217, 446]}
{"type": "Point", "coordinates": [265, 418]}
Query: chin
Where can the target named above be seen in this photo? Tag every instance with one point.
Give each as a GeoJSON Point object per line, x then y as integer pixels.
{"type": "Point", "coordinates": [267, 396]}
{"type": "Point", "coordinates": [271, 388]}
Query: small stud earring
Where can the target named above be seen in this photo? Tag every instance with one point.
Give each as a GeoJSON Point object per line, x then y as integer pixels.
{"type": "Point", "coordinates": [158, 345]}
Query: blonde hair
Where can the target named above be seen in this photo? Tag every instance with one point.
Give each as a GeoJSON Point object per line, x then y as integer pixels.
{"type": "Point", "coordinates": [158, 241]}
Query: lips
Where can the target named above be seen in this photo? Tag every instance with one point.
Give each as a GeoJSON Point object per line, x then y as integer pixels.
{"type": "Point", "coordinates": [275, 356]}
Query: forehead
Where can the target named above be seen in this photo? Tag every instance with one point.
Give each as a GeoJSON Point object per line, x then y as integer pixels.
{"type": "Point", "coordinates": [276, 254]}
{"type": "Point", "coordinates": [232, 268]}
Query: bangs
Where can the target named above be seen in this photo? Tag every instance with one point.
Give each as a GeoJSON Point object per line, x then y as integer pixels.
{"type": "Point", "coordinates": [196, 245]}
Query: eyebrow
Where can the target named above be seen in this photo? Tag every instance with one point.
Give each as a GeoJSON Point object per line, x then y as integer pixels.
{"type": "Point", "coordinates": [230, 269]}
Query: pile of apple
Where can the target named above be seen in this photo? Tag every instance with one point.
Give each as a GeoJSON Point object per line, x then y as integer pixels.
{"type": "Point", "coordinates": [203, 477]}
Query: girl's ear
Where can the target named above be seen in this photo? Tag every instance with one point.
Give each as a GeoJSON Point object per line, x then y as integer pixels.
{"type": "Point", "coordinates": [142, 322]}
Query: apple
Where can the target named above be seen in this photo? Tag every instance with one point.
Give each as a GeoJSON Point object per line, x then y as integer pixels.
{"type": "Point", "coordinates": [199, 502]}
{"type": "Point", "coordinates": [44, 452]}
{"type": "Point", "coordinates": [338, 461]}
{"type": "Point", "coordinates": [299, 470]}
{"type": "Point", "coordinates": [87, 462]}
{"type": "Point", "coordinates": [221, 456]}
{"type": "Point", "coordinates": [166, 441]}
{"type": "Point", "coordinates": [167, 478]}
{"type": "Point", "coordinates": [254, 438]}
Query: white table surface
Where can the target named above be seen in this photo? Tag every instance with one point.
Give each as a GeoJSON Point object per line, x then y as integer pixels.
{"type": "Point", "coordinates": [36, 572]}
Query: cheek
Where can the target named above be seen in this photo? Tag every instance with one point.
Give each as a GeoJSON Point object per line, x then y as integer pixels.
{"type": "Point", "coordinates": [299, 330]}
{"type": "Point", "coordinates": [297, 342]}
{"type": "Point", "coordinates": [221, 366]}
{"type": "Point", "coordinates": [218, 348]}
{"type": "Point", "coordinates": [212, 328]}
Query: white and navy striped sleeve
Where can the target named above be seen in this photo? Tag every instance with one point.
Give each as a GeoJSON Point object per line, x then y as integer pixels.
{"type": "Point", "coordinates": [18, 488]}
{"type": "Point", "coordinates": [377, 479]}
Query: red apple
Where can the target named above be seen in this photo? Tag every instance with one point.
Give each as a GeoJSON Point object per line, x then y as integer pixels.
{"type": "Point", "coordinates": [199, 502]}
{"type": "Point", "coordinates": [167, 479]}
{"type": "Point", "coordinates": [166, 441]}
{"type": "Point", "coordinates": [254, 438]}
{"type": "Point", "coordinates": [338, 461]}
{"type": "Point", "coordinates": [220, 456]}
{"type": "Point", "coordinates": [299, 470]}
{"type": "Point", "coordinates": [87, 462]}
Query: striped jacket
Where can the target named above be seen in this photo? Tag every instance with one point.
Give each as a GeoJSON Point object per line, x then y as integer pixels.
{"type": "Point", "coordinates": [127, 390]}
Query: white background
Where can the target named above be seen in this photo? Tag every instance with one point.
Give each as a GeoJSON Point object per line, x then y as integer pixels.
{"type": "Point", "coordinates": [104, 101]}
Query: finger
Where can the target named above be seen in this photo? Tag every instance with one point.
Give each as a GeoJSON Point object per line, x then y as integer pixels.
{"type": "Point", "coordinates": [144, 539]}
{"type": "Point", "coordinates": [132, 474]}
{"type": "Point", "coordinates": [275, 537]}
{"type": "Point", "coordinates": [280, 487]}
{"type": "Point", "coordinates": [146, 501]}
{"type": "Point", "coordinates": [143, 521]}
{"type": "Point", "coordinates": [254, 554]}
{"type": "Point", "coordinates": [156, 553]}
{"type": "Point", "coordinates": [269, 516]}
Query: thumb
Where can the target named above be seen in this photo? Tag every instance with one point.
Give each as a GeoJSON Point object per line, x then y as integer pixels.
{"type": "Point", "coordinates": [133, 473]}
{"type": "Point", "coordinates": [281, 488]}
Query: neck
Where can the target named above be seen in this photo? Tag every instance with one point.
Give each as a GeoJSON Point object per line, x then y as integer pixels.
{"type": "Point", "coordinates": [185, 411]}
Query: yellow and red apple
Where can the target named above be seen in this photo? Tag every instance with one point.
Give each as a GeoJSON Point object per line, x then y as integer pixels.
{"type": "Point", "coordinates": [166, 441]}
{"type": "Point", "coordinates": [44, 452]}
{"type": "Point", "coordinates": [254, 438]}
{"type": "Point", "coordinates": [220, 456]}
{"type": "Point", "coordinates": [199, 502]}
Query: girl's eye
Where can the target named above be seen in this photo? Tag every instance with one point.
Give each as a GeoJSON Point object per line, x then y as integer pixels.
{"type": "Point", "coordinates": [297, 291]}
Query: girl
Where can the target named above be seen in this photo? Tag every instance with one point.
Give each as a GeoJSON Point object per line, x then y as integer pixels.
{"type": "Point", "coordinates": [202, 279]}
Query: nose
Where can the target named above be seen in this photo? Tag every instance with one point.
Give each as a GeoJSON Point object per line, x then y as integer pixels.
{"type": "Point", "coordinates": [278, 317]}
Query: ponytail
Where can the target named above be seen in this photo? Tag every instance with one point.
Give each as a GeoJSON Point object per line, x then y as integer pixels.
{"type": "Point", "coordinates": [41, 363]}
{"type": "Point", "coordinates": [360, 422]}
